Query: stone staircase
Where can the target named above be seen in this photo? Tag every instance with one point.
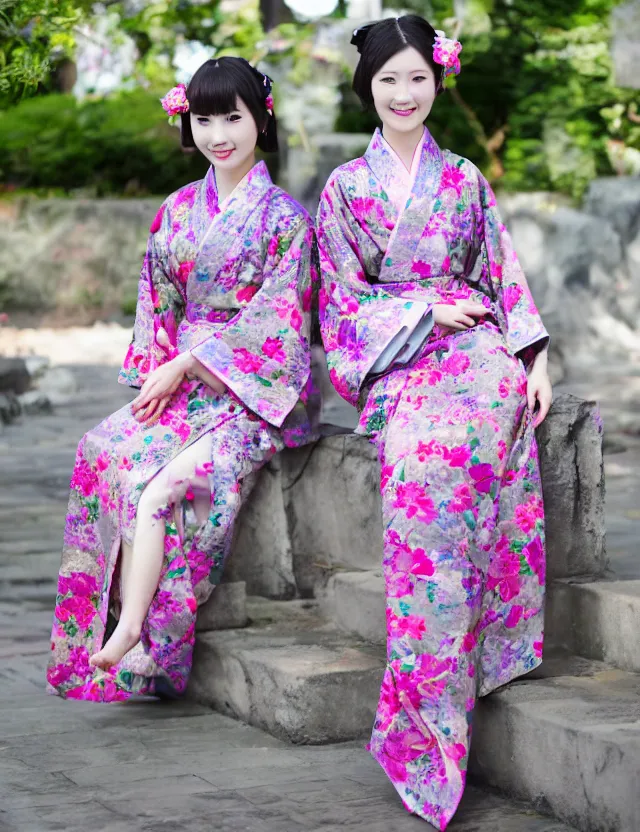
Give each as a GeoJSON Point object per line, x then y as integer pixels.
{"type": "Point", "coordinates": [307, 667]}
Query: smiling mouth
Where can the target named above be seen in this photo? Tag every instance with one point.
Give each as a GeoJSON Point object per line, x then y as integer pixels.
{"type": "Point", "coordinates": [403, 112]}
{"type": "Point", "coordinates": [222, 154]}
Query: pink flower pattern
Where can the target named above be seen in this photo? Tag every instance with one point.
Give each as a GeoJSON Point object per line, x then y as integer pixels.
{"type": "Point", "coordinates": [461, 500]}
{"type": "Point", "coordinates": [262, 253]}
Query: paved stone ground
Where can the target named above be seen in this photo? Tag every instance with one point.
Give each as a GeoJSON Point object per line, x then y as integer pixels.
{"type": "Point", "coordinates": [173, 766]}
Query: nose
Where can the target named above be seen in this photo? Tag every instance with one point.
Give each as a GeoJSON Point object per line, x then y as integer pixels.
{"type": "Point", "coordinates": [217, 134]}
{"type": "Point", "coordinates": [402, 94]}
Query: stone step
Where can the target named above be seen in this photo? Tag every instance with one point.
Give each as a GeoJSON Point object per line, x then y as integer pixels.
{"type": "Point", "coordinates": [355, 601]}
{"type": "Point", "coordinates": [290, 672]}
{"type": "Point", "coordinates": [598, 620]}
{"type": "Point", "coordinates": [566, 738]}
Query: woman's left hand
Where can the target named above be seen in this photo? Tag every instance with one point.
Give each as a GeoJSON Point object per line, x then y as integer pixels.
{"type": "Point", "coordinates": [161, 384]}
{"type": "Point", "coordinates": [539, 391]}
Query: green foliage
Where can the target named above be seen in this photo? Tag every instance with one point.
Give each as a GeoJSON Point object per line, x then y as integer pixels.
{"type": "Point", "coordinates": [115, 145]}
{"type": "Point", "coordinates": [35, 37]}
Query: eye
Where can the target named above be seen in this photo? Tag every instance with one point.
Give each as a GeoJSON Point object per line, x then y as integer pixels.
{"type": "Point", "coordinates": [203, 120]}
{"type": "Point", "coordinates": [387, 80]}
{"type": "Point", "coordinates": [420, 78]}
{"type": "Point", "coordinates": [235, 117]}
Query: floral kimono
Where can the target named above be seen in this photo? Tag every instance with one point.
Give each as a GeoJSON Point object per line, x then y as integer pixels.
{"type": "Point", "coordinates": [232, 283]}
{"type": "Point", "coordinates": [464, 561]}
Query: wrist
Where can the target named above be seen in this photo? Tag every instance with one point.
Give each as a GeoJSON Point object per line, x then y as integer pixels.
{"type": "Point", "coordinates": [187, 361]}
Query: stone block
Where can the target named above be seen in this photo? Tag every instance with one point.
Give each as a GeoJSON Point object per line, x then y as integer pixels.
{"type": "Point", "coordinates": [14, 376]}
{"type": "Point", "coordinates": [261, 551]}
{"type": "Point", "coordinates": [296, 677]}
{"type": "Point", "coordinates": [597, 620]}
{"type": "Point", "coordinates": [569, 745]}
{"type": "Point", "coordinates": [570, 446]}
{"type": "Point", "coordinates": [332, 501]}
{"type": "Point", "coordinates": [225, 609]}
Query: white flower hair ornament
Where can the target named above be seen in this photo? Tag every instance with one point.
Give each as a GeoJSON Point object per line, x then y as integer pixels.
{"type": "Point", "coordinates": [445, 53]}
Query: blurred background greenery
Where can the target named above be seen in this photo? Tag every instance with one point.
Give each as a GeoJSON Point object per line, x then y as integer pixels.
{"type": "Point", "coordinates": [536, 105]}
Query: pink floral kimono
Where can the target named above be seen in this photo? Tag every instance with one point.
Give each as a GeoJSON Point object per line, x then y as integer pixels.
{"type": "Point", "coordinates": [464, 561]}
{"type": "Point", "coordinates": [231, 283]}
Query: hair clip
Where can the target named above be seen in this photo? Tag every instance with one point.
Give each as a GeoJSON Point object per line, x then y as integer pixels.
{"type": "Point", "coordinates": [360, 35]}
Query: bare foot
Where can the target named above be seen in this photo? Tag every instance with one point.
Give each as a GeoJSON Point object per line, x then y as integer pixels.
{"type": "Point", "coordinates": [123, 639]}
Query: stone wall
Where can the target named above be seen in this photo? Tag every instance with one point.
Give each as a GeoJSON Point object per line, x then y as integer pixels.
{"type": "Point", "coordinates": [77, 258]}
{"type": "Point", "coordinates": [316, 510]}
{"type": "Point", "coordinates": [80, 259]}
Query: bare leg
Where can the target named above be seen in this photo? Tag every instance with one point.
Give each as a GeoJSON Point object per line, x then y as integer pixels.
{"type": "Point", "coordinates": [140, 568]}
{"type": "Point", "coordinates": [142, 564]}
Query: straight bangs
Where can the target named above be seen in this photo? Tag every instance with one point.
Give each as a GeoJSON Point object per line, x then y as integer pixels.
{"type": "Point", "coordinates": [216, 86]}
{"type": "Point", "coordinates": [214, 91]}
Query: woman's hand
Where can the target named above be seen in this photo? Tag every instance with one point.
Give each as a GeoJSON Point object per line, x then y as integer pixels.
{"type": "Point", "coordinates": [459, 316]}
{"type": "Point", "coordinates": [539, 389]}
{"type": "Point", "coordinates": [159, 387]}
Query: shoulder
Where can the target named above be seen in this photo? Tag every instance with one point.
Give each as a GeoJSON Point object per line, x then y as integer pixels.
{"type": "Point", "coordinates": [471, 172]}
{"type": "Point", "coordinates": [287, 212]}
{"type": "Point", "coordinates": [467, 173]}
{"type": "Point", "coordinates": [176, 203]}
{"type": "Point", "coordinates": [346, 175]}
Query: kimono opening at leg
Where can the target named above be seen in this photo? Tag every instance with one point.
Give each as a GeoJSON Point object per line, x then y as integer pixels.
{"type": "Point", "coordinates": [405, 245]}
{"type": "Point", "coordinates": [222, 330]}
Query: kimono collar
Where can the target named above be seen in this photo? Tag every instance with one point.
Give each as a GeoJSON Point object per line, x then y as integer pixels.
{"type": "Point", "coordinates": [249, 190]}
{"type": "Point", "coordinates": [388, 168]}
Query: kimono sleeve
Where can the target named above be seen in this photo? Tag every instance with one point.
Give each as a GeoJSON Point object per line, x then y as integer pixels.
{"type": "Point", "coordinates": [159, 305]}
{"type": "Point", "coordinates": [263, 353]}
{"type": "Point", "coordinates": [520, 319]}
{"type": "Point", "coordinates": [358, 322]}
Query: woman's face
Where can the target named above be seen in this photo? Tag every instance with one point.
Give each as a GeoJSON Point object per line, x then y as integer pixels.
{"type": "Point", "coordinates": [404, 90]}
{"type": "Point", "coordinates": [227, 141]}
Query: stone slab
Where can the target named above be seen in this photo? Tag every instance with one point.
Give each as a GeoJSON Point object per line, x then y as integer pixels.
{"type": "Point", "coordinates": [291, 674]}
{"type": "Point", "coordinates": [571, 463]}
{"type": "Point", "coordinates": [598, 620]}
{"type": "Point", "coordinates": [568, 744]}
{"type": "Point", "coordinates": [226, 609]}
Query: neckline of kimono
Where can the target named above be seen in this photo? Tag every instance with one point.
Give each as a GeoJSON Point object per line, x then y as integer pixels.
{"type": "Point", "coordinates": [263, 170]}
{"type": "Point", "coordinates": [259, 171]}
{"type": "Point", "coordinates": [408, 172]}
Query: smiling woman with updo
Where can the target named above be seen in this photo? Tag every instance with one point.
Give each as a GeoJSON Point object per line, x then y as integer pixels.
{"type": "Point", "coordinates": [430, 329]}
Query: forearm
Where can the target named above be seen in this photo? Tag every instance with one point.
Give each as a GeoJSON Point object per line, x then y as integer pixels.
{"type": "Point", "coordinates": [541, 359]}
{"type": "Point", "coordinates": [193, 367]}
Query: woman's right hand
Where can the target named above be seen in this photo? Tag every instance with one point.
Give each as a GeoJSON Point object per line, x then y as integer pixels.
{"type": "Point", "coordinates": [459, 316]}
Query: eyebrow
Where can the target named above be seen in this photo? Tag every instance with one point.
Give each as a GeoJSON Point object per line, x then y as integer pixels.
{"type": "Point", "coordinates": [411, 71]}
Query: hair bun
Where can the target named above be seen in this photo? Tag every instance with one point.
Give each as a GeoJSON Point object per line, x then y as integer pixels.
{"type": "Point", "coordinates": [360, 35]}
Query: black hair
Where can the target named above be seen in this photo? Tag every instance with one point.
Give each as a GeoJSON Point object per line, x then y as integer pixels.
{"type": "Point", "coordinates": [214, 90]}
{"type": "Point", "coordinates": [378, 42]}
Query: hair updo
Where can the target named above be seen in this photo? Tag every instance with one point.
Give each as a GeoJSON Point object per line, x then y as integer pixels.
{"type": "Point", "coordinates": [379, 42]}
{"type": "Point", "coordinates": [217, 85]}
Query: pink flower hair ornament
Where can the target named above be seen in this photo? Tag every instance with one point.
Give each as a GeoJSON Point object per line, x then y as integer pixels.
{"type": "Point", "coordinates": [175, 101]}
{"type": "Point", "coordinates": [445, 53]}
{"type": "Point", "coordinates": [268, 103]}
